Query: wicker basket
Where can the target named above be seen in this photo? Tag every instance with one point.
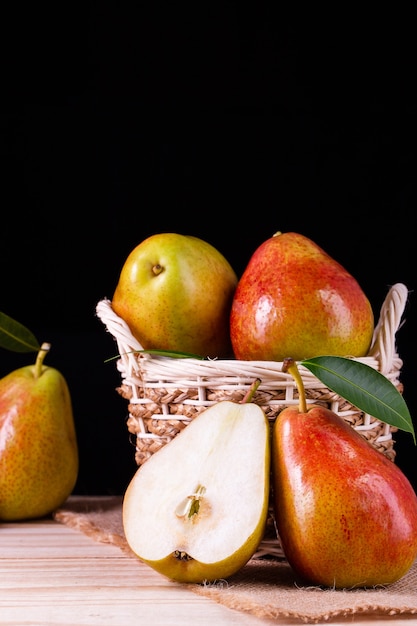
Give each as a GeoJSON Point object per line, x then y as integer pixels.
{"type": "Point", "coordinates": [164, 394]}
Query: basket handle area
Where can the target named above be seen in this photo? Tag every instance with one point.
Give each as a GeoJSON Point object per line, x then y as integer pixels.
{"type": "Point", "coordinates": [118, 328]}
{"type": "Point", "coordinates": [383, 345]}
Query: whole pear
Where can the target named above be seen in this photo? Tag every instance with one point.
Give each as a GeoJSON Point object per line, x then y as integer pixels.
{"type": "Point", "coordinates": [175, 293]}
{"type": "Point", "coordinates": [197, 509]}
{"type": "Point", "coordinates": [38, 447]}
{"type": "Point", "coordinates": [346, 514]}
{"type": "Point", "coordinates": [293, 298]}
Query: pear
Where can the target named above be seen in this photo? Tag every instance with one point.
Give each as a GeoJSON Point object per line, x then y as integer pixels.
{"type": "Point", "coordinates": [196, 510]}
{"type": "Point", "coordinates": [346, 515]}
{"type": "Point", "coordinates": [294, 299]}
{"type": "Point", "coordinates": [175, 293]}
{"type": "Point", "coordinates": [38, 447]}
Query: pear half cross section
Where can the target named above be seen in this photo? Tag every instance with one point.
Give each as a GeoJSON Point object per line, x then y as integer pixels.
{"type": "Point", "coordinates": [196, 510]}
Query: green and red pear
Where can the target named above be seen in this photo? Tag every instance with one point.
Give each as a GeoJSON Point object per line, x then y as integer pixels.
{"type": "Point", "coordinates": [38, 444]}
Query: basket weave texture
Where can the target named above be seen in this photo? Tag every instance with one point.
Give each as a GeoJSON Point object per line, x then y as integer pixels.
{"type": "Point", "coordinates": [164, 394]}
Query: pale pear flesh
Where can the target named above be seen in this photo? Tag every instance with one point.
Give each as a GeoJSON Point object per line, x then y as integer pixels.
{"type": "Point", "coordinates": [219, 464]}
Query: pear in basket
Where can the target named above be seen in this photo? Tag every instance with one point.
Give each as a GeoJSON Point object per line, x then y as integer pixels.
{"type": "Point", "coordinates": [294, 299]}
{"type": "Point", "coordinates": [196, 510]}
{"type": "Point", "coordinates": [175, 293]}
{"type": "Point", "coordinates": [346, 515]}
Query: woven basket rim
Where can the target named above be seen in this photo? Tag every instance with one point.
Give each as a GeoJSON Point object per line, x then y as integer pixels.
{"type": "Point", "coordinates": [171, 391]}
{"type": "Point", "coordinates": [166, 375]}
{"type": "Point", "coordinates": [382, 354]}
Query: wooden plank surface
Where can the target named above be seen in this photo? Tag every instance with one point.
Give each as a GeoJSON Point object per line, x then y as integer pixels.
{"type": "Point", "coordinates": [51, 574]}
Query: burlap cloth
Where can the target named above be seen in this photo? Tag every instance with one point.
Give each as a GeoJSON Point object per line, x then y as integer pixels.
{"type": "Point", "coordinates": [265, 588]}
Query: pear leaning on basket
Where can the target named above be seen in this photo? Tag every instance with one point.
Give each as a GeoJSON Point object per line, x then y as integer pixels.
{"type": "Point", "coordinates": [197, 509]}
{"type": "Point", "coordinates": [346, 515]}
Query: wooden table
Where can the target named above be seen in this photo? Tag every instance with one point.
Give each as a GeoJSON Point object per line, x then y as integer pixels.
{"type": "Point", "coordinates": [51, 574]}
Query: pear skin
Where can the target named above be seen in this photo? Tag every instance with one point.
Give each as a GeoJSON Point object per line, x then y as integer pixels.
{"type": "Point", "coordinates": [175, 293]}
{"type": "Point", "coordinates": [294, 299]}
{"type": "Point", "coordinates": [38, 447]}
{"type": "Point", "coordinates": [346, 514]}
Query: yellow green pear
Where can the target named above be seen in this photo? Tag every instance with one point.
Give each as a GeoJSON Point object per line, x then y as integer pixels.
{"type": "Point", "coordinates": [175, 293]}
{"type": "Point", "coordinates": [197, 509]}
{"type": "Point", "coordinates": [295, 299]}
{"type": "Point", "coordinates": [38, 446]}
{"type": "Point", "coordinates": [345, 513]}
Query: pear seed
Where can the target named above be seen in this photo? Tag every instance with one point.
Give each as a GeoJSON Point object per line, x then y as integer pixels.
{"type": "Point", "coordinates": [191, 504]}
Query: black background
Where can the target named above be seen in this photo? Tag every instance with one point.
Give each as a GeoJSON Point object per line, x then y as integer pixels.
{"type": "Point", "coordinates": [228, 125]}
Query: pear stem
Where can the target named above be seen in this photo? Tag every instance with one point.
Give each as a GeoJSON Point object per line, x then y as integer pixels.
{"type": "Point", "coordinates": [290, 366]}
{"type": "Point", "coordinates": [251, 391]}
{"type": "Point", "coordinates": [44, 349]}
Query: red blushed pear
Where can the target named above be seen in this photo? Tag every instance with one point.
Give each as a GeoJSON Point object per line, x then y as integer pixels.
{"type": "Point", "coordinates": [293, 298]}
{"type": "Point", "coordinates": [346, 515]}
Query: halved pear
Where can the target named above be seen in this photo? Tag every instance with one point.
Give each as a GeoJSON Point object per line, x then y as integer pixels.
{"type": "Point", "coordinates": [197, 509]}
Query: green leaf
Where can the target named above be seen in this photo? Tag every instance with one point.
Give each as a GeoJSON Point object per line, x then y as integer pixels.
{"type": "Point", "coordinates": [170, 353]}
{"type": "Point", "coordinates": [174, 354]}
{"type": "Point", "coordinates": [16, 337]}
{"type": "Point", "coordinates": [364, 387]}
